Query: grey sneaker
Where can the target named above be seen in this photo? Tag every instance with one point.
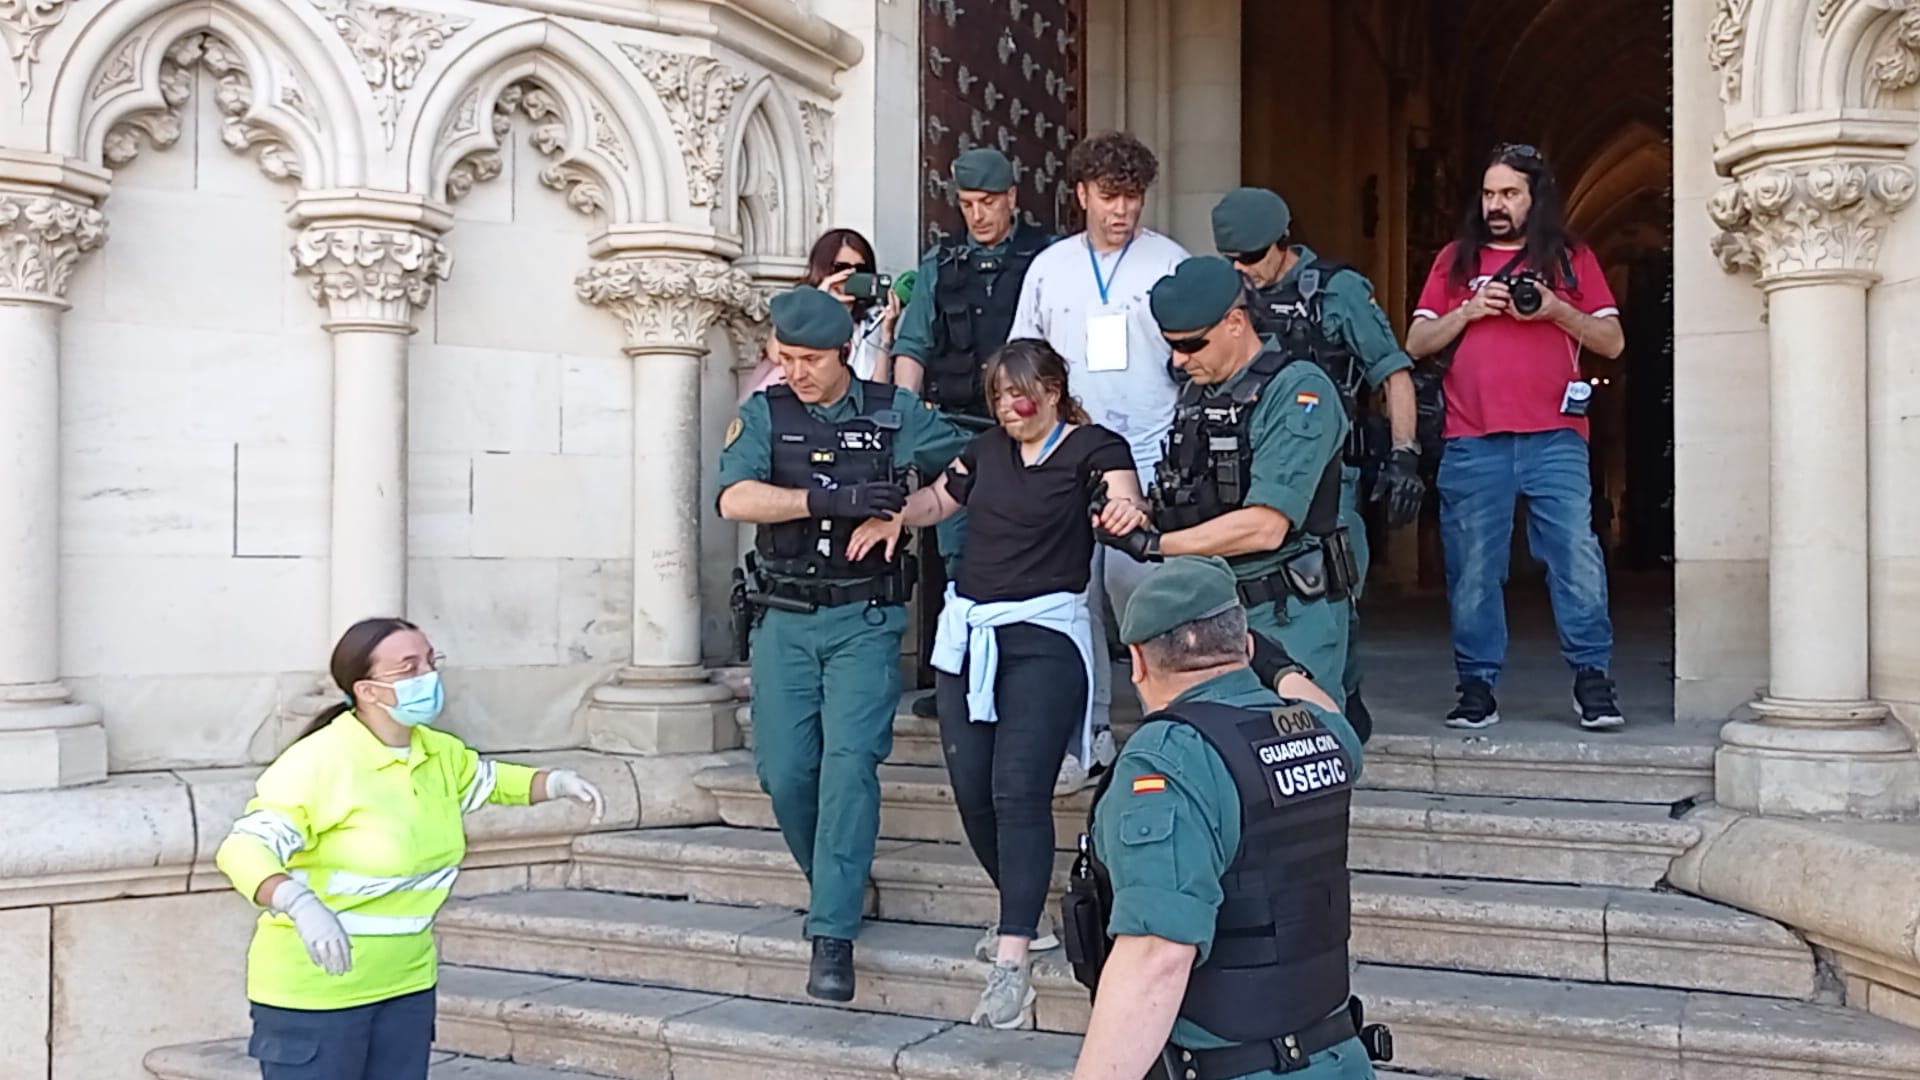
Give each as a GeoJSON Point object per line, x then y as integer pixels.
{"type": "Point", "coordinates": [988, 946]}
{"type": "Point", "coordinates": [1071, 778]}
{"type": "Point", "coordinates": [1005, 1003]}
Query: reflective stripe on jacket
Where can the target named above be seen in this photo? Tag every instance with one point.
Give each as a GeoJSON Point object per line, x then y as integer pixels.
{"type": "Point", "coordinates": [378, 838]}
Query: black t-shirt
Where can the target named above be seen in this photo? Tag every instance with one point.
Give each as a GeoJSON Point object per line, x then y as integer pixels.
{"type": "Point", "coordinates": [1028, 531]}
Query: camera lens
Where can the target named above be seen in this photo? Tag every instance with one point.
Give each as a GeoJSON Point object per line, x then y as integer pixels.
{"type": "Point", "coordinates": [1526, 297]}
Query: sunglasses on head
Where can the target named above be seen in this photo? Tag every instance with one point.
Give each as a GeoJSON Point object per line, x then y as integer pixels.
{"type": "Point", "coordinates": [1246, 258]}
{"type": "Point", "coordinates": [1519, 151]}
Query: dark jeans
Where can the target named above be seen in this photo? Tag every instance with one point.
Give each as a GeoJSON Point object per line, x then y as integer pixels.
{"type": "Point", "coordinates": [387, 1040]}
{"type": "Point", "coordinates": [1002, 773]}
{"type": "Point", "coordinates": [1480, 480]}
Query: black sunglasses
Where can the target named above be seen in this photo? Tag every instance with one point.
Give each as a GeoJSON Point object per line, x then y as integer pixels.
{"type": "Point", "coordinates": [1246, 258]}
{"type": "Point", "coordinates": [1187, 346]}
{"type": "Point", "coordinates": [841, 267]}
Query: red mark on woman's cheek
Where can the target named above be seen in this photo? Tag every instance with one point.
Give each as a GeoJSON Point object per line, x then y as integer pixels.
{"type": "Point", "coordinates": [1025, 407]}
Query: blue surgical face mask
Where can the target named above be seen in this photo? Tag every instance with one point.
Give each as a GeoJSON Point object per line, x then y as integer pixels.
{"type": "Point", "coordinates": [418, 700]}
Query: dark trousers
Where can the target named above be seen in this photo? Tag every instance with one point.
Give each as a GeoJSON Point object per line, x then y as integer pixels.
{"type": "Point", "coordinates": [1002, 773]}
{"type": "Point", "coordinates": [387, 1040]}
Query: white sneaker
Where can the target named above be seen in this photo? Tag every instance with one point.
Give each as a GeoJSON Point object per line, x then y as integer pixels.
{"type": "Point", "coordinates": [1072, 777]}
{"type": "Point", "coordinates": [1005, 1003]}
{"type": "Point", "coordinates": [1104, 750]}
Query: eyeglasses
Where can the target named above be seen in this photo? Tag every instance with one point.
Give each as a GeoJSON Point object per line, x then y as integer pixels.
{"type": "Point", "coordinates": [1246, 258]}
{"type": "Point", "coordinates": [411, 668]}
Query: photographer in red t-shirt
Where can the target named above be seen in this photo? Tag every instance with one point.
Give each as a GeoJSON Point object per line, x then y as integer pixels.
{"type": "Point", "coordinates": [1518, 298]}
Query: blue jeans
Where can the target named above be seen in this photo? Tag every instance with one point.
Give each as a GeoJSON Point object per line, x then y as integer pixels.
{"type": "Point", "coordinates": [387, 1040]}
{"type": "Point", "coordinates": [1480, 478]}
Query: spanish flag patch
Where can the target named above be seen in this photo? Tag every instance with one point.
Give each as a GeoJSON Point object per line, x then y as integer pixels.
{"type": "Point", "coordinates": [1307, 398]}
{"type": "Point", "coordinates": [1144, 784]}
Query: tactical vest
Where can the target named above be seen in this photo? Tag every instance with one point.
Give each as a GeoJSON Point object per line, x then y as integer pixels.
{"type": "Point", "coordinates": [1295, 312]}
{"type": "Point", "coordinates": [1279, 959]}
{"type": "Point", "coordinates": [1208, 463]}
{"type": "Point", "coordinates": [974, 297]}
{"type": "Point", "coordinates": [809, 452]}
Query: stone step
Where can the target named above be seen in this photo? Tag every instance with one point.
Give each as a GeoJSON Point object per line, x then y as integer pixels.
{"type": "Point", "coordinates": [1404, 832]}
{"type": "Point", "coordinates": [1596, 934]}
{"type": "Point", "coordinates": [1489, 1026]}
{"type": "Point", "coordinates": [1655, 763]}
{"type": "Point", "coordinates": [228, 1060]}
{"type": "Point", "coordinates": [642, 1031]}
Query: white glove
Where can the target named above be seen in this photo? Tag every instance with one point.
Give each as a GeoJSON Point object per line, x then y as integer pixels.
{"type": "Point", "coordinates": [317, 925]}
{"type": "Point", "coordinates": [567, 784]}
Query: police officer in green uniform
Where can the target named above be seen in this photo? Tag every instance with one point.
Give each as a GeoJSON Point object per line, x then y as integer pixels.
{"type": "Point", "coordinates": [1209, 906]}
{"type": "Point", "coordinates": [807, 462]}
{"type": "Point", "coordinates": [1252, 468]}
{"type": "Point", "coordinates": [1325, 308]}
{"type": "Point", "coordinates": [964, 295]}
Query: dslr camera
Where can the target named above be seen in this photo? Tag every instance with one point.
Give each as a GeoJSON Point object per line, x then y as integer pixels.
{"type": "Point", "coordinates": [1524, 288]}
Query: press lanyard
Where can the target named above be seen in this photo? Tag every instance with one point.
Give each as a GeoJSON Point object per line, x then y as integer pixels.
{"type": "Point", "coordinates": [1106, 283]}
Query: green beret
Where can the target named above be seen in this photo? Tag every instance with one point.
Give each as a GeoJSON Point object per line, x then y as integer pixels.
{"type": "Point", "coordinates": [1198, 294]}
{"type": "Point", "coordinates": [811, 319]}
{"type": "Point", "coordinates": [1184, 589]}
{"type": "Point", "coordinates": [982, 169]}
{"type": "Point", "coordinates": [1249, 219]}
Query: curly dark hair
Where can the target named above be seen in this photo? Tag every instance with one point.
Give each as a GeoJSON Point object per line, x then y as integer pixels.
{"type": "Point", "coordinates": [1113, 161]}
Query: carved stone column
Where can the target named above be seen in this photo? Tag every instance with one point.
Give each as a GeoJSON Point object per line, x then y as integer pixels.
{"type": "Point", "coordinates": [663, 702]}
{"type": "Point", "coordinates": [373, 258]}
{"type": "Point", "coordinates": [48, 223]}
{"type": "Point", "coordinates": [1819, 744]}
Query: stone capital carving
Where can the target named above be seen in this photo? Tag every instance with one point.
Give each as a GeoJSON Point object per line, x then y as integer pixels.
{"type": "Point", "coordinates": [668, 303]}
{"type": "Point", "coordinates": [1824, 217]}
{"type": "Point", "coordinates": [698, 92]}
{"type": "Point", "coordinates": [374, 276]}
{"type": "Point", "coordinates": [42, 239]}
{"type": "Point", "coordinates": [1726, 44]}
{"type": "Point", "coordinates": [390, 44]}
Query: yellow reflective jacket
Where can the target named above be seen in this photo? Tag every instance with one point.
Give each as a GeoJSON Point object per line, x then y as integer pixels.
{"type": "Point", "coordinates": [378, 838]}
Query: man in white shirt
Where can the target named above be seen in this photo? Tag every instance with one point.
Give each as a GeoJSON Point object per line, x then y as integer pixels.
{"type": "Point", "coordinates": [1087, 296]}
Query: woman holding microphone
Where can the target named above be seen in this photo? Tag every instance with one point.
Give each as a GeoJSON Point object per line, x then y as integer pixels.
{"type": "Point", "coordinates": [350, 846]}
{"type": "Point", "coordinates": [1015, 647]}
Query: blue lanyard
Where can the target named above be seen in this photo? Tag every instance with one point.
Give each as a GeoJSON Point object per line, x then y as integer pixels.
{"type": "Point", "coordinates": [1106, 284]}
{"type": "Point", "coordinates": [1059, 428]}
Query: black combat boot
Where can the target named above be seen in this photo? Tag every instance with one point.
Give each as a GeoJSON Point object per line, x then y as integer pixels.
{"type": "Point", "coordinates": [830, 977]}
{"type": "Point", "coordinates": [1359, 717]}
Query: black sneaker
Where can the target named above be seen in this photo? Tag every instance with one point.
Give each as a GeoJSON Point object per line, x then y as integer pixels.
{"type": "Point", "coordinates": [1477, 708]}
{"type": "Point", "coordinates": [830, 976]}
{"type": "Point", "coordinates": [926, 707]}
{"type": "Point", "coordinates": [1593, 699]}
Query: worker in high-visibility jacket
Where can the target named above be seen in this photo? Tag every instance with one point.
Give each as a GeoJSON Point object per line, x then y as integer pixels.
{"type": "Point", "coordinates": [350, 846]}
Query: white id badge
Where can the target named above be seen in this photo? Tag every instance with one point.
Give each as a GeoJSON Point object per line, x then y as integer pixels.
{"type": "Point", "coordinates": [1107, 341]}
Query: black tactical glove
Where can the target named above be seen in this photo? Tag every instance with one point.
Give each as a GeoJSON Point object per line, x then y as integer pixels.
{"type": "Point", "coordinates": [873, 499]}
{"type": "Point", "coordinates": [1400, 489]}
{"type": "Point", "coordinates": [1272, 662]}
{"type": "Point", "coordinates": [1143, 543]}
